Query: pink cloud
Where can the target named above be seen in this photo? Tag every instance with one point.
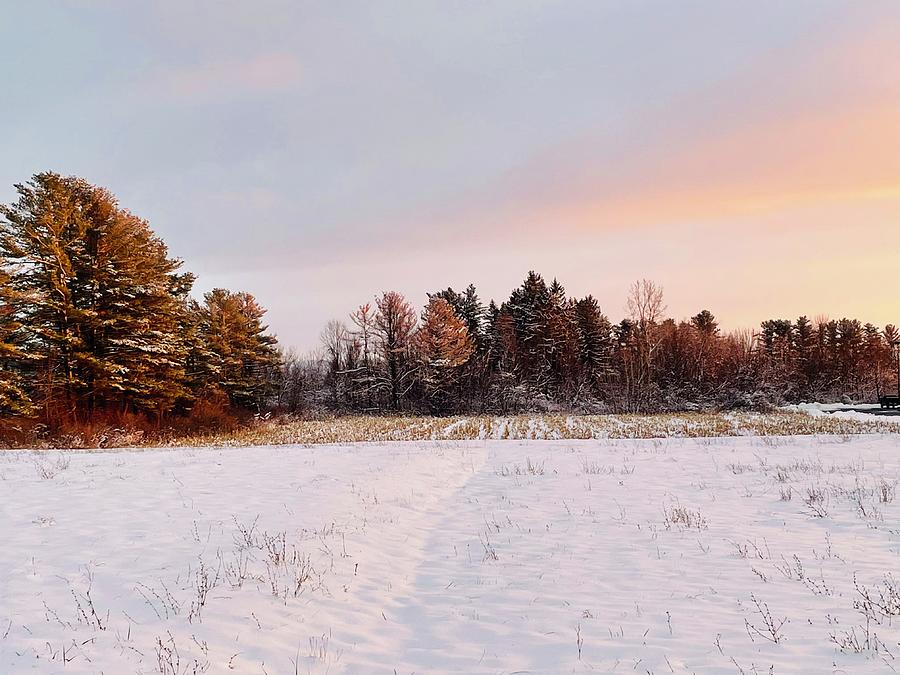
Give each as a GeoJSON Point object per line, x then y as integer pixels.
{"type": "Point", "coordinates": [264, 73]}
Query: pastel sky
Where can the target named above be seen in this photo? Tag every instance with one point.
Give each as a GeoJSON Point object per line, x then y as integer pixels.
{"type": "Point", "coordinates": [745, 155]}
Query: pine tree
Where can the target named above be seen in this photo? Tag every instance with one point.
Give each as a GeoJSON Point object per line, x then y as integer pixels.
{"type": "Point", "coordinates": [198, 360]}
{"type": "Point", "coordinates": [560, 337]}
{"type": "Point", "coordinates": [14, 400]}
{"type": "Point", "coordinates": [527, 307]}
{"type": "Point", "coordinates": [803, 340]}
{"type": "Point", "coordinates": [892, 344]}
{"type": "Point", "coordinates": [595, 342]}
{"type": "Point", "coordinates": [136, 297]}
{"type": "Point", "coordinates": [705, 323]}
{"type": "Point", "coordinates": [42, 233]}
{"type": "Point", "coordinates": [876, 355]}
{"type": "Point", "coordinates": [776, 338]}
{"type": "Point", "coordinates": [492, 314]}
{"type": "Point", "coordinates": [850, 353]}
{"type": "Point", "coordinates": [706, 329]}
{"type": "Point", "coordinates": [241, 358]}
{"type": "Point", "coordinates": [99, 298]}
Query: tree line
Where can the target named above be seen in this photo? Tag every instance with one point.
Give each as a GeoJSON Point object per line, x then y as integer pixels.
{"type": "Point", "coordinates": [97, 320]}
{"type": "Point", "coordinates": [543, 350]}
{"type": "Point", "coordinates": [96, 317]}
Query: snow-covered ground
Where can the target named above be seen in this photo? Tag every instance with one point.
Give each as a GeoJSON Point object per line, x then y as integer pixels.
{"type": "Point", "coordinates": [816, 409]}
{"type": "Point", "coordinates": [753, 555]}
{"type": "Point", "coordinates": [859, 412]}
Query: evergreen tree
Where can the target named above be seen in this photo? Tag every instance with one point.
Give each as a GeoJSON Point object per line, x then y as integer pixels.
{"type": "Point", "coordinates": [706, 329]}
{"type": "Point", "coordinates": [473, 313]}
{"type": "Point", "coordinates": [876, 355]}
{"type": "Point", "coordinates": [705, 323]}
{"type": "Point", "coordinates": [14, 400]}
{"type": "Point", "coordinates": [98, 296]}
{"type": "Point", "coordinates": [623, 332]}
{"type": "Point", "coordinates": [490, 332]}
{"type": "Point", "coordinates": [527, 308]}
{"type": "Point", "coordinates": [136, 298]}
{"type": "Point", "coordinates": [243, 361]}
{"type": "Point", "coordinates": [595, 341]}
{"type": "Point", "coordinates": [850, 353]}
{"type": "Point", "coordinates": [560, 338]}
{"type": "Point", "coordinates": [41, 234]}
{"type": "Point", "coordinates": [804, 347]}
{"type": "Point", "coordinates": [777, 338]}
{"type": "Point", "coordinates": [496, 347]}
{"type": "Point", "coordinates": [892, 345]}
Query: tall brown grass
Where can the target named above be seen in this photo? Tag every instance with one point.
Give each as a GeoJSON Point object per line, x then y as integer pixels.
{"type": "Point", "coordinates": [212, 424]}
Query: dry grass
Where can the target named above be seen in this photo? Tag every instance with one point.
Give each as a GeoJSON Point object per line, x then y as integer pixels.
{"type": "Point", "coordinates": [382, 429]}
{"type": "Point", "coordinates": [353, 429]}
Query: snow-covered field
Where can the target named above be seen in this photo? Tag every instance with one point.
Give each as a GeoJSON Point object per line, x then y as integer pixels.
{"type": "Point", "coordinates": [748, 554]}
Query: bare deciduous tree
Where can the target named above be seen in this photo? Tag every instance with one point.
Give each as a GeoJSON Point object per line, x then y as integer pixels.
{"type": "Point", "coordinates": [646, 307]}
{"type": "Point", "coordinates": [645, 303]}
{"type": "Point", "coordinates": [333, 338]}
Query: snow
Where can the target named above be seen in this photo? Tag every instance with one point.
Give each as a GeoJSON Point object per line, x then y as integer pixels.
{"type": "Point", "coordinates": [855, 412]}
{"type": "Point", "coordinates": [480, 556]}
